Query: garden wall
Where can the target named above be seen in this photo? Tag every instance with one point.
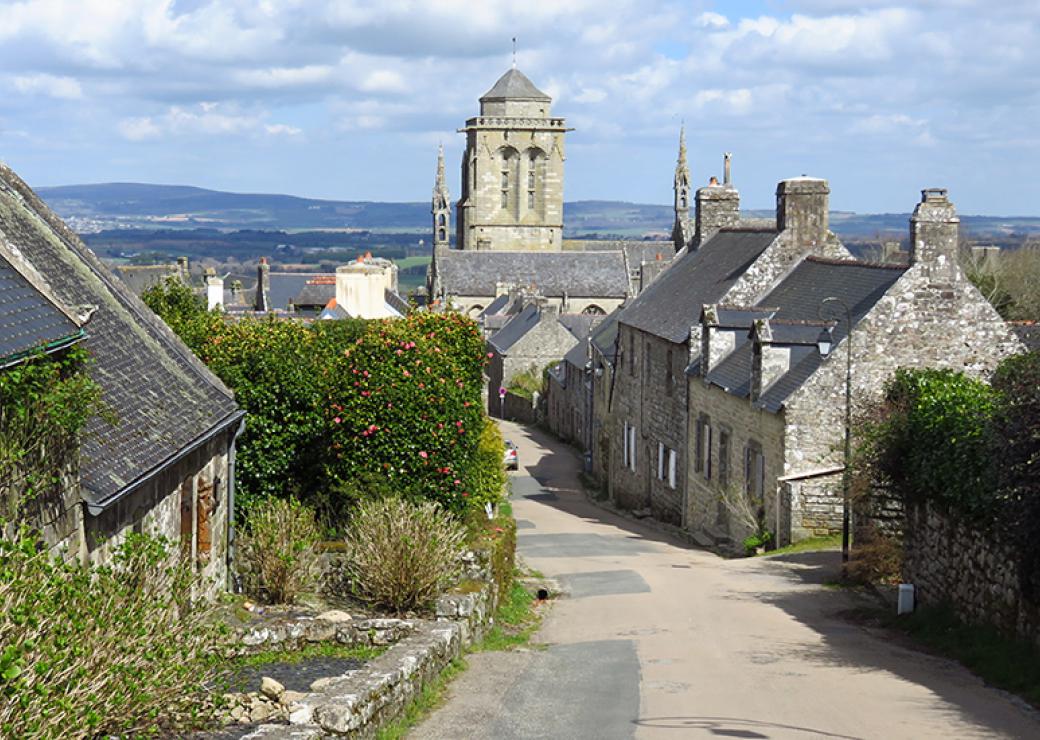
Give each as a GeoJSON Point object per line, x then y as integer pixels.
{"type": "Point", "coordinates": [953, 563]}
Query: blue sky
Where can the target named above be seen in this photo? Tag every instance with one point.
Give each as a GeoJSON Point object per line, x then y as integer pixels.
{"type": "Point", "coordinates": [348, 99]}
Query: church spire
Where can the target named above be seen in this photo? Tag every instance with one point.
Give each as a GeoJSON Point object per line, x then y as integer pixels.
{"type": "Point", "coordinates": [681, 229]}
{"type": "Point", "coordinates": [441, 206]}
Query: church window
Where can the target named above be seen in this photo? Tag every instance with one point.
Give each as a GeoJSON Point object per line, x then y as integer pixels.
{"type": "Point", "coordinates": [441, 220]}
{"type": "Point", "coordinates": [530, 199]}
{"type": "Point", "coordinates": [682, 201]}
{"type": "Point", "coordinates": [441, 234]}
{"type": "Point", "coordinates": [505, 187]}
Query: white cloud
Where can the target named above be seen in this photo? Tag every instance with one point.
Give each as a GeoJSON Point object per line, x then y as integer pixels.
{"type": "Point", "coordinates": [204, 119]}
{"type": "Point", "coordinates": [65, 88]}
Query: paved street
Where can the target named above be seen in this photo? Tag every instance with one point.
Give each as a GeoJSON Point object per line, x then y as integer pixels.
{"type": "Point", "coordinates": [658, 640]}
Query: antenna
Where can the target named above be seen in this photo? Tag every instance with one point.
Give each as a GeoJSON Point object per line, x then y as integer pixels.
{"type": "Point", "coordinates": [514, 52]}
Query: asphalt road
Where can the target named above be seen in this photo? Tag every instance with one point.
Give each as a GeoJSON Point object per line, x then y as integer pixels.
{"type": "Point", "coordinates": [658, 640]}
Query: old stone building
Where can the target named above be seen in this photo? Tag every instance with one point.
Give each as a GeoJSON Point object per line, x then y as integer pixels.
{"type": "Point", "coordinates": [645, 432]}
{"type": "Point", "coordinates": [767, 408]}
{"type": "Point", "coordinates": [509, 225]}
{"type": "Point", "coordinates": [162, 462]}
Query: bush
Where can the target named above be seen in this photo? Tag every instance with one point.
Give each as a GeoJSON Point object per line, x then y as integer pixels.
{"type": "Point", "coordinates": [89, 652]}
{"type": "Point", "coordinates": [877, 558]}
{"type": "Point", "coordinates": [496, 539]}
{"type": "Point", "coordinates": [401, 555]}
{"type": "Point", "coordinates": [487, 475]}
{"type": "Point", "coordinates": [278, 552]}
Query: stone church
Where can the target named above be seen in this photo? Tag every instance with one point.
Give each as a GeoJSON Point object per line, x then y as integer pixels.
{"type": "Point", "coordinates": [510, 215]}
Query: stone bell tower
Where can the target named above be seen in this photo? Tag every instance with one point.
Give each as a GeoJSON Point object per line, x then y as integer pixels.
{"type": "Point", "coordinates": [681, 234]}
{"type": "Point", "coordinates": [441, 205]}
{"type": "Point", "coordinates": [512, 171]}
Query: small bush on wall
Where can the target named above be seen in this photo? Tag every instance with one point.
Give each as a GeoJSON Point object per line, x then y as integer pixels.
{"type": "Point", "coordinates": [400, 554]}
{"type": "Point", "coordinates": [278, 550]}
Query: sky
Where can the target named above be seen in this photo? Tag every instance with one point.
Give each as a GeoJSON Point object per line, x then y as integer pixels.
{"type": "Point", "coordinates": [348, 99]}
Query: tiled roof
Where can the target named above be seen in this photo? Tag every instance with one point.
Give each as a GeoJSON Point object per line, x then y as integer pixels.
{"type": "Point", "coordinates": [798, 298]}
{"type": "Point", "coordinates": [29, 319]}
{"type": "Point", "coordinates": [163, 399]}
{"type": "Point", "coordinates": [1028, 332]}
{"type": "Point", "coordinates": [140, 278]}
{"type": "Point", "coordinates": [516, 328]}
{"type": "Point", "coordinates": [673, 302]}
{"type": "Point", "coordinates": [578, 274]}
{"type": "Point", "coordinates": [313, 294]}
{"type": "Point", "coordinates": [581, 324]}
{"type": "Point", "coordinates": [514, 85]}
{"type": "Point", "coordinates": [397, 303]}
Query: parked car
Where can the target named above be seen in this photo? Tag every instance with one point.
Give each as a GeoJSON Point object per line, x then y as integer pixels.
{"type": "Point", "coordinates": [511, 458]}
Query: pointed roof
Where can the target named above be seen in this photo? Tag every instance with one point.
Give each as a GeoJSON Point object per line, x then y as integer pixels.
{"type": "Point", "coordinates": [514, 85]}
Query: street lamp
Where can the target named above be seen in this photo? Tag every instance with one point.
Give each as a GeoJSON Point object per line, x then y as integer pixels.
{"type": "Point", "coordinates": [824, 344]}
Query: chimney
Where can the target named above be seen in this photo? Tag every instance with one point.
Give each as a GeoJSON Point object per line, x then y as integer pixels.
{"type": "Point", "coordinates": [214, 290]}
{"type": "Point", "coordinates": [768, 361]}
{"type": "Point", "coordinates": [726, 158]}
{"type": "Point", "coordinates": [649, 271]}
{"type": "Point", "coordinates": [802, 209]}
{"type": "Point", "coordinates": [262, 301]}
{"type": "Point", "coordinates": [718, 207]}
{"type": "Point", "coordinates": [934, 233]}
{"type": "Point", "coordinates": [182, 268]}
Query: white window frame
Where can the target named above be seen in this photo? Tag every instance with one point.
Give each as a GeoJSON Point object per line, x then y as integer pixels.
{"type": "Point", "coordinates": [628, 457]}
{"type": "Point", "coordinates": [671, 468]}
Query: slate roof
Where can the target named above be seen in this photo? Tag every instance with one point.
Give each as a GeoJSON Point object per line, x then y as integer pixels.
{"type": "Point", "coordinates": [29, 319]}
{"type": "Point", "coordinates": [671, 304]}
{"type": "Point", "coordinates": [796, 320]}
{"type": "Point", "coordinates": [315, 295]}
{"type": "Point", "coordinates": [580, 324]}
{"type": "Point", "coordinates": [604, 338]}
{"type": "Point", "coordinates": [516, 328]}
{"type": "Point", "coordinates": [165, 401]}
{"type": "Point", "coordinates": [396, 302]}
{"type": "Point", "coordinates": [140, 278]}
{"type": "Point", "coordinates": [514, 85]}
{"type": "Point", "coordinates": [1028, 332]}
{"type": "Point", "coordinates": [579, 274]}
{"type": "Point", "coordinates": [495, 306]}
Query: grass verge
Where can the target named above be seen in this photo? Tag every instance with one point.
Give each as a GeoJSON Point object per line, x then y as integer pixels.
{"type": "Point", "coordinates": [362, 652]}
{"type": "Point", "coordinates": [1009, 664]}
{"type": "Point", "coordinates": [812, 544]}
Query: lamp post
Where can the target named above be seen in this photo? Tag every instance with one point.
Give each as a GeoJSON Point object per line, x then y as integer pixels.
{"type": "Point", "coordinates": [824, 344]}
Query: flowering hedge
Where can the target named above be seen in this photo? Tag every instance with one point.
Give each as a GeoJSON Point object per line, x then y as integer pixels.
{"type": "Point", "coordinates": [338, 406]}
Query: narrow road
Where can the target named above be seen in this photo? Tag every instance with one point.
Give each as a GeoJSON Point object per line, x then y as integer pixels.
{"type": "Point", "coordinates": [658, 640]}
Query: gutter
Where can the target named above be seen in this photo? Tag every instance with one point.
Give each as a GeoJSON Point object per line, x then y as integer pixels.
{"type": "Point", "coordinates": [818, 473]}
{"type": "Point", "coordinates": [96, 507]}
{"type": "Point", "coordinates": [51, 348]}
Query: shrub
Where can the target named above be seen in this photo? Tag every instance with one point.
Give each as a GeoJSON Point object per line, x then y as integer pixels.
{"type": "Point", "coordinates": [90, 652]}
{"type": "Point", "coordinates": [496, 539]}
{"type": "Point", "coordinates": [279, 555]}
{"type": "Point", "coordinates": [401, 555]}
{"type": "Point", "coordinates": [877, 558]}
{"type": "Point", "coordinates": [487, 475]}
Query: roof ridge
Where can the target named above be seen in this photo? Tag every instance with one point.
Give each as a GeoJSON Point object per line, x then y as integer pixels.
{"type": "Point", "coordinates": [852, 262]}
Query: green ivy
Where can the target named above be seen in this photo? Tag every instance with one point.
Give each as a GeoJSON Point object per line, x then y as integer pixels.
{"type": "Point", "coordinates": [45, 402]}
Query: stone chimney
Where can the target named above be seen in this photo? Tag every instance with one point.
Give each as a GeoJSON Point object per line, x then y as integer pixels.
{"type": "Point", "coordinates": [715, 344]}
{"type": "Point", "coordinates": [934, 233]}
{"type": "Point", "coordinates": [802, 205]}
{"type": "Point", "coordinates": [361, 287]}
{"type": "Point", "coordinates": [262, 300]}
{"type": "Point", "coordinates": [214, 290]}
{"type": "Point", "coordinates": [718, 207]}
{"type": "Point", "coordinates": [649, 271]}
{"type": "Point", "coordinates": [768, 361]}
{"type": "Point", "coordinates": [182, 268]}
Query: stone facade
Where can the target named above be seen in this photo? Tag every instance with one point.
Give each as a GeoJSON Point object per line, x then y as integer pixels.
{"type": "Point", "coordinates": [512, 171]}
{"type": "Point", "coordinates": [649, 397]}
{"type": "Point", "coordinates": [569, 400]}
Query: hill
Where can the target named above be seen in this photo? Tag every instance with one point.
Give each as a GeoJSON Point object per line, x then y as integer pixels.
{"type": "Point", "coordinates": [93, 208]}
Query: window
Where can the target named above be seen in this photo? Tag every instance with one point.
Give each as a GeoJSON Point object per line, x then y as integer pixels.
{"type": "Point", "coordinates": [628, 456]}
{"type": "Point", "coordinates": [702, 447]}
{"type": "Point", "coordinates": [724, 444]}
{"type": "Point", "coordinates": [441, 220]}
{"type": "Point", "coordinates": [666, 464]}
{"type": "Point", "coordinates": [754, 472]}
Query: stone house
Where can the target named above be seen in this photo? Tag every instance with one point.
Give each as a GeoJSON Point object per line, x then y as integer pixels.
{"type": "Point", "coordinates": [766, 409]}
{"type": "Point", "coordinates": [162, 462]}
{"type": "Point", "coordinates": [533, 338]}
{"type": "Point", "coordinates": [644, 428]}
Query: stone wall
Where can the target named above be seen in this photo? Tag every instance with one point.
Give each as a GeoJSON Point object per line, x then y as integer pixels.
{"type": "Point", "coordinates": [650, 395]}
{"type": "Point", "coordinates": [567, 404]}
{"type": "Point", "coordinates": [958, 564]}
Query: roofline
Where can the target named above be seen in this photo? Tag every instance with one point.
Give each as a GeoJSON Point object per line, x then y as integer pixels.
{"type": "Point", "coordinates": [96, 507]}
{"type": "Point", "coordinates": [855, 263]}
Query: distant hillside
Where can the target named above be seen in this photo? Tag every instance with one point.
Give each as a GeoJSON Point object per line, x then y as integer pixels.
{"type": "Point", "coordinates": [93, 208]}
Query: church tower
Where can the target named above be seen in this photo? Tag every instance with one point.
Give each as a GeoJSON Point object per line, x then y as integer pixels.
{"type": "Point", "coordinates": [681, 231]}
{"type": "Point", "coordinates": [512, 171]}
{"type": "Point", "coordinates": [441, 206]}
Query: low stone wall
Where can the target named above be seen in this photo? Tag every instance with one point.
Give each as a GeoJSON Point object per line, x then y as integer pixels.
{"type": "Point", "coordinates": [878, 513]}
{"type": "Point", "coordinates": [358, 703]}
{"type": "Point", "coordinates": [953, 563]}
{"type": "Point", "coordinates": [517, 408]}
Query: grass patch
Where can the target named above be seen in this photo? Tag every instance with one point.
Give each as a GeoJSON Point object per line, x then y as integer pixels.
{"type": "Point", "coordinates": [431, 697]}
{"type": "Point", "coordinates": [812, 544]}
{"type": "Point", "coordinates": [515, 621]}
{"type": "Point", "coordinates": [330, 650]}
{"type": "Point", "coordinates": [1009, 664]}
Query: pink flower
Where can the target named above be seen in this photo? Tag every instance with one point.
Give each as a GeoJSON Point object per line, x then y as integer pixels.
{"type": "Point", "coordinates": [407, 374]}
{"type": "Point", "coordinates": [423, 454]}
{"type": "Point", "coordinates": [337, 420]}
{"type": "Point", "coordinates": [458, 482]}
{"type": "Point", "coordinates": [490, 355]}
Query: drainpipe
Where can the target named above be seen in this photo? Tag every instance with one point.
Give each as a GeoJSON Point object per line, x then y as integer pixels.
{"type": "Point", "coordinates": [230, 564]}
